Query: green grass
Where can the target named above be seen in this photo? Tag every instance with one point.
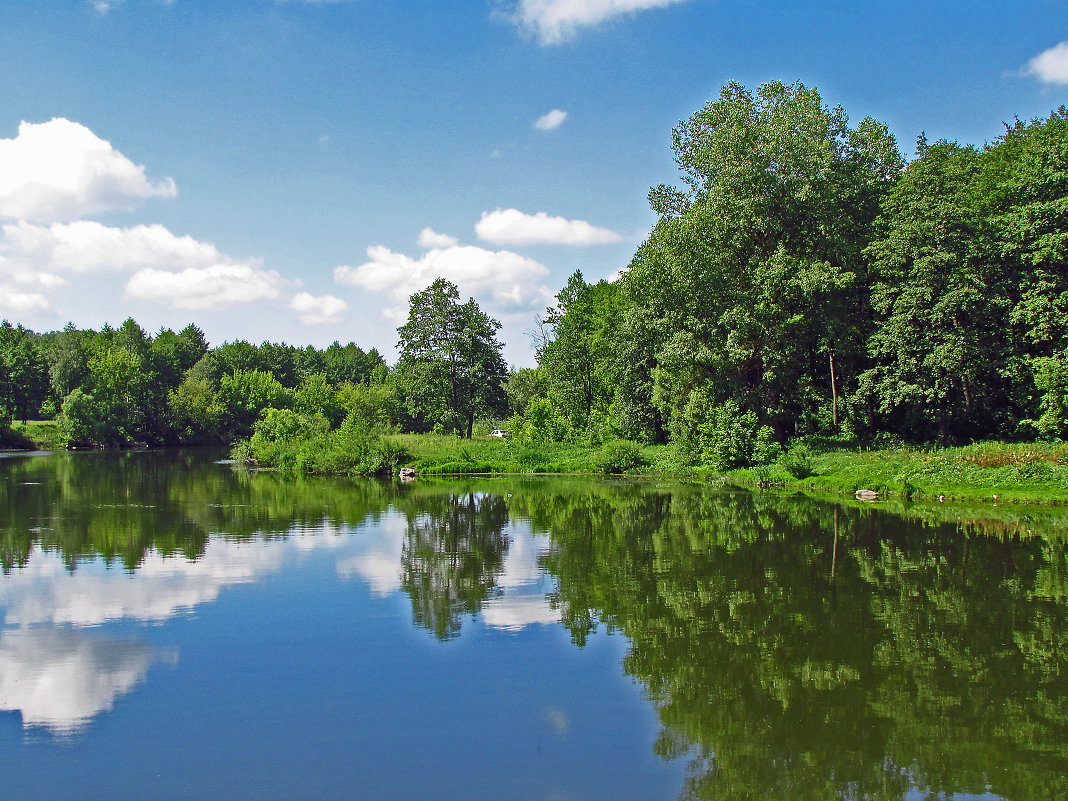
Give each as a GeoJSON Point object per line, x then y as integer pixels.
{"type": "Point", "coordinates": [1012, 472]}
{"type": "Point", "coordinates": [448, 455]}
{"type": "Point", "coordinates": [41, 435]}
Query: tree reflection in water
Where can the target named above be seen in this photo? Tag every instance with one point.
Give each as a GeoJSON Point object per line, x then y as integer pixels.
{"type": "Point", "coordinates": [453, 555]}
{"type": "Point", "coordinates": [793, 649]}
{"type": "Point", "coordinates": [800, 650]}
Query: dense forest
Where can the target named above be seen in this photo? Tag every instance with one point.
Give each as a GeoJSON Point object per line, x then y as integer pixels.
{"type": "Point", "coordinates": [803, 280]}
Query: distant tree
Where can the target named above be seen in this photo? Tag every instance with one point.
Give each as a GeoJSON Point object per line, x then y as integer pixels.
{"type": "Point", "coordinates": [451, 365]}
{"type": "Point", "coordinates": [195, 413]}
{"type": "Point", "coordinates": [67, 355]}
{"type": "Point", "coordinates": [23, 372]}
{"type": "Point", "coordinates": [578, 353]}
{"type": "Point", "coordinates": [245, 394]}
{"type": "Point", "coordinates": [315, 396]}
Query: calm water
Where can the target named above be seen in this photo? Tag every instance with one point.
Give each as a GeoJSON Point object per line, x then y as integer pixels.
{"type": "Point", "coordinates": [176, 629]}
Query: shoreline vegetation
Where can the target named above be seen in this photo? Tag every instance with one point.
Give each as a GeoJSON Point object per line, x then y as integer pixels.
{"type": "Point", "coordinates": [989, 472]}
{"type": "Point", "coordinates": [811, 311]}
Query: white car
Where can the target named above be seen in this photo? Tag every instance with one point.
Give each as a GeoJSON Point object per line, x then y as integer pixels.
{"type": "Point", "coordinates": [498, 432]}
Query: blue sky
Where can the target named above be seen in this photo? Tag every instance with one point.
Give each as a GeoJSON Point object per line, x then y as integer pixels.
{"type": "Point", "coordinates": [292, 171]}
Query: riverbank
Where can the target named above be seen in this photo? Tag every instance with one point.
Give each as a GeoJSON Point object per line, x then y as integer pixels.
{"type": "Point", "coordinates": [447, 455]}
{"type": "Point", "coordinates": [1010, 473]}
{"type": "Point", "coordinates": [35, 435]}
{"type": "Point", "coordinates": [990, 471]}
{"type": "Point", "coordinates": [1013, 473]}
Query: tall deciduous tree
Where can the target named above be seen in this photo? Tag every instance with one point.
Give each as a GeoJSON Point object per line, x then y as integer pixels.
{"type": "Point", "coordinates": [940, 302]}
{"type": "Point", "coordinates": [451, 364]}
{"type": "Point", "coordinates": [753, 279]}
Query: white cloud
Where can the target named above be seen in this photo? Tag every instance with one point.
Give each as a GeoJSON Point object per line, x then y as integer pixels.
{"type": "Point", "coordinates": [516, 612]}
{"type": "Point", "coordinates": [85, 245]}
{"type": "Point", "coordinates": [377, 559]}
{"type": "Point", "coordinates": [555, 21]}
{"type": "Point", "coordinates": [60, 170]}
{"type": "Point", "coordinates": [502, 278]}
{"type": "Point", "coordinates": [1051, 66]}
{"type": "Point", "coordinates": [178, 270]}
{"type": "Point", "coordinates": [14, 301]}
{"type": "Point", "coordinates": [315, 310]}
{"type": "Point", "coordinates": [60, 679]}
{"type": "Point", "coordinates": [551, 120]}
{"type": "Point", "coordinates": [429, 238]}
{"type": "Point", "coordinates": [214, 287]}
{"type": "Point", "coordinates": [513, 227]}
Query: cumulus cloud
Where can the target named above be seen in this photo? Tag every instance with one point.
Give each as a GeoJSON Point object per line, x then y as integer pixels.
{"type": "Point", "coordinates": [85, 245]}
{"type": "Point", "coordinates": [551, 120]}
{"type": "Point", "coordinates": [501, 277]}
{"type": "Point", "coordinates": [60, 679]}
{"type": "Point", "coordinates": [315, 310]}
{"type": "Point", "coordinates": [513, 227]}
{"type": "Point", "coordinates": [15, 301]}
{"type": "Point", "coordinates": [214, 287]}
{"type": "Point", "coordinates": [178, 270]}
{"type": "Point", "coordinates": [429, 238]}
{"type": "Point", "coordinates": [60, 171]}
{"type": "Point", "coordinates": [1051, 66]}
{"type": "Point", "coordinates": [555, 21]}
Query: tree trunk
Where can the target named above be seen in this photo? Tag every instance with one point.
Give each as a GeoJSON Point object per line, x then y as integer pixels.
{"type": "Point", "coordinates": [834, 394]}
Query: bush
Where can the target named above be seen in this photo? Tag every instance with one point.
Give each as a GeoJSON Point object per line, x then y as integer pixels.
{"type": "Point", "coordinates": [797, 462]}
{"type": "Point", "coordinates": [618, 456]}
{"type": "Point", "coordinates": [304, 443]}
{"type": "Point", "coordinates": [766, 449]}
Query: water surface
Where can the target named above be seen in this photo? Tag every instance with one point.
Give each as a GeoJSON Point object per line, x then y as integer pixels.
{"type": "Point", "coordinates": [174, 628]}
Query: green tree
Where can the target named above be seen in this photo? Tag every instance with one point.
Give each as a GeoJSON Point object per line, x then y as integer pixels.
{"type": "Point", "coordinates": [942, 360]}
{"type": "Point", "coordinates": [578, 356]}
{"type": "Point", "coordinates": [245, 394]}
{"type": "Point", "coordinates": [23, 373]}
{"type": "Point", "coordinates": [195, 412]}
{"type": "Point", "coordinates": [754, 279]}
{"type": "Point", "coordinates": [315, 395]}
{"type": "Point", "coordinates": [451, 366]}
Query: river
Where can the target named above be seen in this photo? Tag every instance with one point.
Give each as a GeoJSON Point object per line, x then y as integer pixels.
{"type": "Point", "coordinates": [176, 628]}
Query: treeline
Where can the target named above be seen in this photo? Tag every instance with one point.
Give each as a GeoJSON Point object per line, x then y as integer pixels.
{"type": "Point", "coordinates": [119, 386]}
{"type": "Point", "coordinates": [804, 280]}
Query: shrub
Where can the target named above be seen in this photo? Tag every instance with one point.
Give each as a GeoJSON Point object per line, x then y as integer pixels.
{"type": "Point", "coordinates": [727, 437]}
{"type": "Point", "coordinates": [766, 449]}
{"type": "Point", "coordinates": [618, 456]}
{"type": "Point", "coordinates": [797, 462]}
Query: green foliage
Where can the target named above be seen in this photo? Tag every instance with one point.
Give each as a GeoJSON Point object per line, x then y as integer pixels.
{"type": "Point", "coordinates": [797, 461]}
{"type": "Point", "coordinates": [451, 369]}
{"type": "Point", "coordinates": [577, 356]}
{"type": "Point", "coordinates": [81, 420]}
{"type": "Point", "coordinates": [766, 449]}
{"type": "Point", "coordinates": [376, 403]}
{"type": "Point", "coordinates": [305, 443]}
{"type": "Point", "coordinates": [196, 412]}
{"type": "Point", "coordinates": [246, 393]}
{"type": "Point", "coordinates": [723, 436]}
{"type": "Point", "coordinates": [543, 422]}
{"type": "Point", "coordinates": [1051, 379]}
{"type": "Point", "coordinates": [618, 456]}
{"type": "Point", "coordinates": [315, 395]}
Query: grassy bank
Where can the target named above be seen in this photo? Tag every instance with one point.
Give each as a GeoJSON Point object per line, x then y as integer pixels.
{"type": "Point", "coordinates": [39, 435]}
{"type": "Point", "coordinates": [448, 455]}
{"type": "Point", "coordinates": [1012, 472]}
